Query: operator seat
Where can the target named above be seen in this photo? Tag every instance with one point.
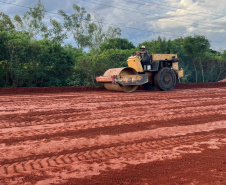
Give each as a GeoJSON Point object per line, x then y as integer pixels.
{"type": "Point", "coordinates": [149, 64]}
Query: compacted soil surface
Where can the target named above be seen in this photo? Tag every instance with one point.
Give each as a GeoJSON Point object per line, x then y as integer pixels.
{"type": "Point", "coordinates": [103, 137]}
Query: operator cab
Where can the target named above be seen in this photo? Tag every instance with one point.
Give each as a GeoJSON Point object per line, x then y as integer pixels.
{"type": "Point", "coordinates": [160, 62]}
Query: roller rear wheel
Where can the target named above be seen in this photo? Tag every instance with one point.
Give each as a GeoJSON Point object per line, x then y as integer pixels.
{"type": "Point", "coordinates": [165, 79]}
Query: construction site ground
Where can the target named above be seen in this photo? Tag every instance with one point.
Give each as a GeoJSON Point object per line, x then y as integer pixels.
{"type": "Point", "coordinates": [91, 136]}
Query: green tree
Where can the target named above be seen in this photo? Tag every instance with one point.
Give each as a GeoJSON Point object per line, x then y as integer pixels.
{"type": "Point", "coordinates": [215, 66]}
{"type": "Point", "coordinates": [52, 63]}
{"type": "Point", "coordinates": [196, 47]}
{"type": "Point", "coordinates": [100, 35]}
{"type": "Point", "coordinates": [32, 21]}
{"type": "Point", "coordinates": [224, 55]}
{"type": "Point", "coordinates": [156, 46]}
{"type": "Point", "coordinates": [16, 49]}
{"type": "Point", "coordinates": [85, 31]}
{"type": "Point", "coordinates": [79, 25]}
{"type": "Point", "coordinates": [24, 62]}
{"type": "Point", "coordinates": [5, 22]}
{"type": "Point", "coordinates": [56, 32]}
{"type": "Point", "coordinates": [91, 65]}
{"type": "Point", "coordinates": [117, 43]}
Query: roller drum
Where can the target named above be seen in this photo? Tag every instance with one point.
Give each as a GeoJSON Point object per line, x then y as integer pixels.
{"type": "Point", "coordinates": [121, 72]}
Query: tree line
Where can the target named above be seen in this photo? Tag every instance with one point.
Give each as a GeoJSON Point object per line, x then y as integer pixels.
{"type": "Point", "coordinates": [33, 54]}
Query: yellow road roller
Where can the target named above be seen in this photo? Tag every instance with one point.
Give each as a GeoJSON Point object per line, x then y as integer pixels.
{"type": "Point", "coordinates": [161, 72]}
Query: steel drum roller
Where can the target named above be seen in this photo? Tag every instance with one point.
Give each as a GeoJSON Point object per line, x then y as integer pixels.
{"type": "Point", "coordinates": [121, 72]}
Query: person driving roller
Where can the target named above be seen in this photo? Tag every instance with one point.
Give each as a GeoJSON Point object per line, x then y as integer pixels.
{"type": "Point", "coordinates": [145, 58]}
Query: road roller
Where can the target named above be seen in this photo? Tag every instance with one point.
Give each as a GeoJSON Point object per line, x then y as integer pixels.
{"type": "Point", "coordinates": [161, 72]}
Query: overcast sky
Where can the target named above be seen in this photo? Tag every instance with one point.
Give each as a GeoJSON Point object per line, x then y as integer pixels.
{"type": "Point", "coordinates": [146, 19]}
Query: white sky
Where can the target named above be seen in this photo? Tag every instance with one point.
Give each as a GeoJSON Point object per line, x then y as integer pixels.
{"type": "Point", "coordinates": [167, 18]}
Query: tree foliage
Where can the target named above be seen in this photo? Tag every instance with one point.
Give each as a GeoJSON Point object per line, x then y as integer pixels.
{"type": "Point", "coordinates": [25, 62]}
{"type": "Point", "coordinates": [86, 32]}
{"type": "Point", "coordinates": [32, 21]}
{"type": "Point", "coordinates": [5, 22]}
{"type": "Point", "coordinates": [196, 47]}
{"type": "Point", "coordinates": [117, 43]}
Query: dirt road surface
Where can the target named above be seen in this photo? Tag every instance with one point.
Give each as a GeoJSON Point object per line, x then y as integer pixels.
{"type": "Point", "coordinates": [102, 137]}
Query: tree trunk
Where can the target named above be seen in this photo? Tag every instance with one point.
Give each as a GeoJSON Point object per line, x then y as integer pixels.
{"type": "Point", "coordinates": [222, 70]}
{"type": "Point", "coordinates": [11, 67]}
{"type": "Point", "coordinates": [196, 73]}
{"type": "Point", "coordinates": [220, 73]}
{"type": "Point", "coordinates": [200, 61]}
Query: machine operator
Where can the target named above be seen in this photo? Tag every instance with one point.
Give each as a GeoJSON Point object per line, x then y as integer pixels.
{"type": "Point", "coordinates": [145, 58]}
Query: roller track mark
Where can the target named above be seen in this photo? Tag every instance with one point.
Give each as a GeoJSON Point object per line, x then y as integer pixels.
{"type": "Point", "coordinates": [93, 142]}
{"type": "Point", "coordinates": [155, 143]}
{"type": "Point", "coordinates": [63, 160]}
{"type": "Point", "coordinates": [161, 98]}
{"type": "Point", "coordinates": [51, 162]}
{"type": "Point", "coordinates": [104, 153]}
{"type": "Point", "coordinates": [106, 127]}
{"type": "Point", "coordinates": [53, 122]}
{"type": "Point", "coordinates": [100, 113]}
{"type": "Point", "coordinates": [96, 117]}
{"type": "Point", "coordinates": [24, 167]}
{"type": "Point", "coordinates": [59, 160]}
{"type": "Point", "coordinates": [57, 114]}
{"type": "Point", "coordinates": [70, 158]}
{"type": "Point", "coordinates": [31, 165]}
{"type": "Point", "coordinates": [6, 170]}
{"type": "Point", "coordinates": [48, 163]}
{"type": "Point", "coordinates": [67, 159]}
{"type": "Point", "coordinates": [90, 99]}
{"type": "Point", "coordinates": [194, 105]}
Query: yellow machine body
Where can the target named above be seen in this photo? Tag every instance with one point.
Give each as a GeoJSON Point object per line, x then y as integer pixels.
{"type": "Point", "coordinates": [134, 62]}
{"type": "Point", "coordinates": [180, 73]}
{"type": "Point", "coordinates": [175, 66]}
{"type": "Point", "coordinates": [160, 75]}
{"type": "Point", "coordinates": [163, 56]}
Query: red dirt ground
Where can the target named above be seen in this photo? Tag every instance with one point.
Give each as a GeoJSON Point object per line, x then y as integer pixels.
{"type": "Point", "coordinates": [93, 136]}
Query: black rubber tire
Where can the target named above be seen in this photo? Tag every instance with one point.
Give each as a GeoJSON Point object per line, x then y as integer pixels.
{"type": "Point", "coordinates": [149, 87]}
{"type": "Point", "coordinates": [165, 79]}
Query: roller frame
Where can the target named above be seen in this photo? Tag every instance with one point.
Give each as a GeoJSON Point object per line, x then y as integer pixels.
{"type": "Point", "coordinates": [125, 80]}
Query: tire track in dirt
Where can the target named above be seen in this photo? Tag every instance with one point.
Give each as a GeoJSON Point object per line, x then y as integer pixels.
{"type": "Point", "coordinates": [103, 153]}
{"type": "Point", "coordinates": [41, 101]}
{"type": "Point", "coordinates": [26, 148]}
{"type": "Point", "coordinates": [111, 128]}
{"type": "Point", "coordinates": [99, 123]}
{"type": "Point", "coordinates": [126, 110]}
{"type": "Point", "coordinates": [118, 101]}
